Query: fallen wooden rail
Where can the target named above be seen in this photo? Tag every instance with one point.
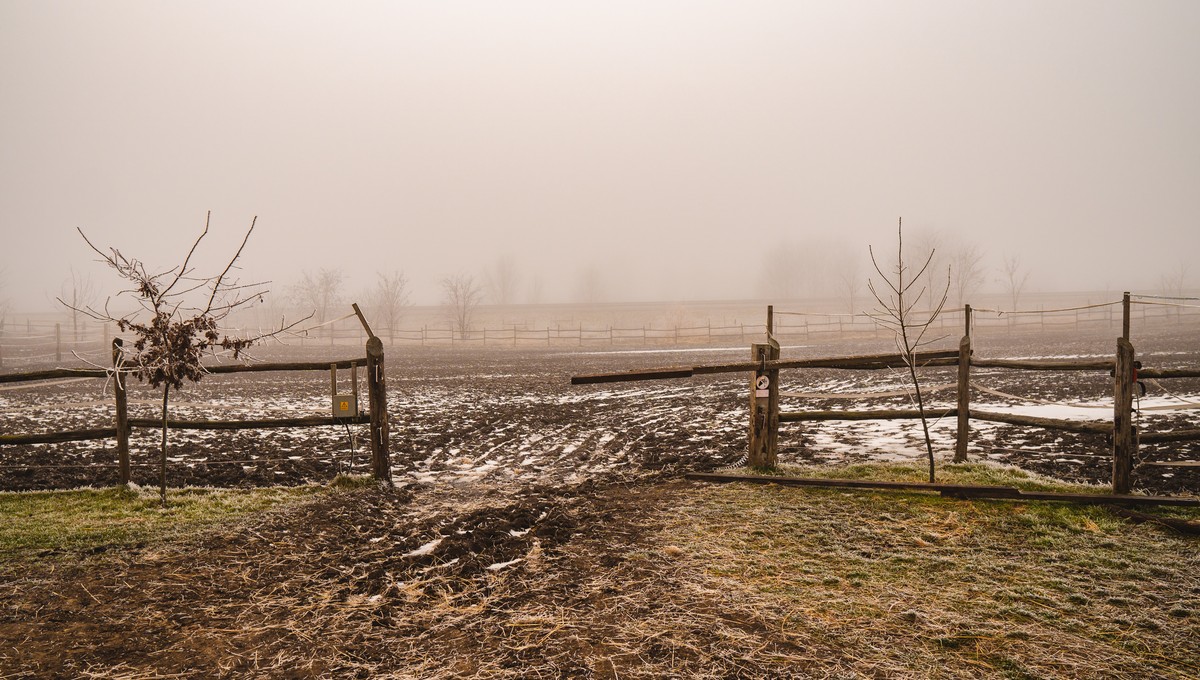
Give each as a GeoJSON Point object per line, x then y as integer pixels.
{"type": "Point", "coordinates": [953, 490]}
{"type": "Point", "coordinates": [864, 362]}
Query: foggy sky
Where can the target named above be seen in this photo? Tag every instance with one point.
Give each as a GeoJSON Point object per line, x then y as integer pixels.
{"type": "Point", "coordinates": [660, 149]}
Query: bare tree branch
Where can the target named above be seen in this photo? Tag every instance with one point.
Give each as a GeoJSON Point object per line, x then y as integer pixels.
{"type": "Point", "coordinates": [896, 314]}
{"type": "Point", "coordinates": [171, 334]}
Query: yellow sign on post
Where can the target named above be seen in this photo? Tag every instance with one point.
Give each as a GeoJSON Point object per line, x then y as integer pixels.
{"type": "Point", "coordinates": [345, 406]}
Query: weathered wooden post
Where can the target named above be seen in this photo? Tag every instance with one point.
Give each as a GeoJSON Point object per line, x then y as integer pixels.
{"type": "Point", "coordinates": [1124, 436]}
{"type": "Point", "coordinates": [122, 419]}
{"type": "Point", "coordinates": [58, 342]}
{"type": "Point", "coordinates": [381, 465]}
{"type": "Point", "coordinates": [1125, 315]}
{"type": "Point", "coordinates": [962, 434]}
{"type": "Point", "coordinates": [764, 402]}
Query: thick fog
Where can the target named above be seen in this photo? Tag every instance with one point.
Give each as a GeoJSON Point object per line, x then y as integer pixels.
{"type": "Point", "coordinates": [601, 151]}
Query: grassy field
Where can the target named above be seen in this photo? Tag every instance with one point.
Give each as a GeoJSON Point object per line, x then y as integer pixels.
{"type": "Point", "coordinates": [668, 579]}
{"type": "Point", "coordinates": [93, 520]}
{"type": "Point", "coordinates": [916, 585]}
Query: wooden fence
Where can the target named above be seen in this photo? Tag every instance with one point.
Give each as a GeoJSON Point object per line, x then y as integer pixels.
{"type": "Point", "coordinates": [766, 418]}
{"type": "Point", "coordinates": [376, 416]}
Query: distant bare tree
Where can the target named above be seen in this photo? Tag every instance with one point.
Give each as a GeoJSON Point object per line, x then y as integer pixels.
{"type": "Point", "coordinates": [503, 279]}
{"type": "Point", "coordinates": [591, 287]}
{"type": "Point", "coordinates": [4, 303]}
{"type": "Point", "coordinates": [782, 273]}
{"type": "Point", "coordinates": [177, 321]}
{"type": "Point", "coordinates": [967, 272]}
{"type": "Point", "coordinates": [1174, 283]}
{"type": "Point", "coordinates": [535, 290]}
{"type": "Point", "coordinates": [319, 292]}
{"type": "Point", "coordinates": [927, 247]}
{"type": "Point", "coordinates": [1014, 280]}
{"type": "Point", "coordinates": [850, 276]}
{"type": "Point", "coordinates": [461, 295]}
{"type": "Point", "coordinates": [77, 293]}
{"type": "Point", "coordinates": [389, 298]}
{"type": "Point", "coordinates": [895, 311]}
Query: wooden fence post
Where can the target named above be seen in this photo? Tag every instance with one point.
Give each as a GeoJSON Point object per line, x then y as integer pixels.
{"type": "Point", "coordinates": [122, 420]}
{"type": "Point", "coordinates": [764, 408]}
{"type": "Point", "coordinates": [381, 465]}
{"type": "Point", "coordinates": [1125, 315]}
{"type": "Point", "coordinates": [58, 342]}
{"type": "Point", "coordinates": [964, 393]}
{"type": "Point", "coordinates": [1124, 437]}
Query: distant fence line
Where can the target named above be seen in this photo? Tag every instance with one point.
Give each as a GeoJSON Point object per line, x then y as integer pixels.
{"type": "Point", "coordinates": [44, 341]}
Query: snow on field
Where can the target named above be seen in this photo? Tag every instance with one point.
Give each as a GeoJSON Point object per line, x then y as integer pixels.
{"type": "Point", "coordinates": [511, 417]}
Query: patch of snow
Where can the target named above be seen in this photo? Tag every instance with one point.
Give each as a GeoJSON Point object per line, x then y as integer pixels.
{"type": "Point", "coordinates": [425, 549]}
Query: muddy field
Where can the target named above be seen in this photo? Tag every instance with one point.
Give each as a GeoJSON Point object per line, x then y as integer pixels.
{"type": "Point", "coordinates": [522, 541]}
{"type": "Point", "coordinates": [509, 417]}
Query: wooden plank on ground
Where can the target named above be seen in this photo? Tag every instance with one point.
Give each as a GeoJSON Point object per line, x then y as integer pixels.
{"type": "Point", "coordinates": [954, 490]}
{"type": "Point", "coordinates": [847, 483]}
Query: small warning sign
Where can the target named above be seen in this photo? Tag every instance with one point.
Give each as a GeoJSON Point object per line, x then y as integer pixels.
{"type": "Point", "coordinates": [344, 406]}
{"type": "Point", "coordinates": [762, 386]}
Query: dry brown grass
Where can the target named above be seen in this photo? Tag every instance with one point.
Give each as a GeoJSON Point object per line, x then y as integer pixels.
{"type": "Point", "coordinates": [666, 580]}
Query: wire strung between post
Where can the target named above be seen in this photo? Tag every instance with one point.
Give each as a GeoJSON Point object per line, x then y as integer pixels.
{"type": "Point", "coordinates": [1004, 312]}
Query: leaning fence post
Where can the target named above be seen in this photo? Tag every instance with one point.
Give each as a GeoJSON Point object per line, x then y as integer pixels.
{"type": "Point", "coordinates": [1124, 436]}
{"type": "Point", "coordinates": [122, 420]}
{"type": "Point", "coordinates": [381, 465]}
{"type": "Point", "coordinates": [964, 393]}
{"type": "Point", "coordinates": [58, 342]}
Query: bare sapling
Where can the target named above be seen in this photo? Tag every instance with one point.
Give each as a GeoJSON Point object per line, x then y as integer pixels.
{"type": "Point", "coordinates": [894, 311]}
{"type": "Point", "coordinates": [177, 321]}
